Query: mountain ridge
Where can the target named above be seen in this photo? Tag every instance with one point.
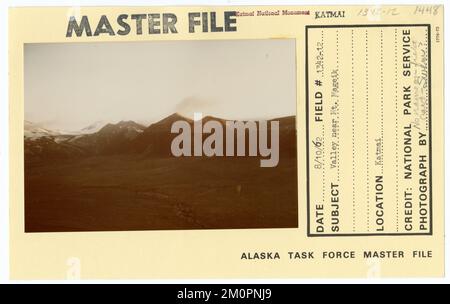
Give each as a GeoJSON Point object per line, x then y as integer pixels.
{"type": "Point", "coordinates": [129, 137]}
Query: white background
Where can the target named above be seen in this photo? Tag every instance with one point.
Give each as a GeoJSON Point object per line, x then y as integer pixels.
{"type": "Point", "coordinates": [4, 132]}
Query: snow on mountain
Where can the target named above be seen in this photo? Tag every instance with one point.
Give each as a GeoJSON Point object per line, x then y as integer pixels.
{"type": "Point", "coordinates": [93, 128]}
{"type": "Point", "coordinates": [33, 131]}
{"type": "Point", "coordinates": [122, 126]}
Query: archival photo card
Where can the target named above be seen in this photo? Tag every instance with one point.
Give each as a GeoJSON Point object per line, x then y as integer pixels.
{"type": "Point", "coordinates": [226, 142]}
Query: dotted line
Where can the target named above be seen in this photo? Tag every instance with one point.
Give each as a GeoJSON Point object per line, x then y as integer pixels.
{"type": "Point", "coordinates": [353, 130]}
{"type": "Point", "coordinates": [382, 100]}
{"type": "Point", "coordinates": [426, 91]}
{"type": "Point", "coordinates": [323, 54]}
{"type": "Point", "coordinates": [323, 125]}
{"type": "Point", "coordinates": [338, 111]}
{"type": "Point", "coordinates": [367, 132]}
{"type": "Point", "coordinates": [396, 124]}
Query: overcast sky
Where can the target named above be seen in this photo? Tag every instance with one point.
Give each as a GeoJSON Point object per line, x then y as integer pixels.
{"type": "Point", "coordinates": [70, 86]}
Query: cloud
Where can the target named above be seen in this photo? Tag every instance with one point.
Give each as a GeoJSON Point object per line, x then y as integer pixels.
{"type": "Point", "coordinates": [189, 105]}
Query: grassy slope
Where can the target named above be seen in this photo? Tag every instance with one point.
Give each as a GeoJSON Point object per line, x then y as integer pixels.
{"type": "Point", "coordinates": [135, 193]}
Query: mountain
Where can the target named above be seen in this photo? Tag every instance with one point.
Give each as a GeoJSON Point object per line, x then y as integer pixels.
{"type": "Point", "coordinates": [126, 128]}
{"type": "Point", "coordinates": [166, 123]}
{"type": "Point", "coordinates": [48, 148]}
{"type": "Point", "coordinates": [48, 145]}
{"type": "Point", "coordinates": [157, 138]}
{"type": "Point", "coordinates": [287, 136]}
{"type": "Point", "coordinates": [110, 139]}
{"type": "Point", "coordinates": [129, 137]}
{"type": "Point", "coordinates": [93, 128]}
{"type": "Point", "coordinates": [34, 131]}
